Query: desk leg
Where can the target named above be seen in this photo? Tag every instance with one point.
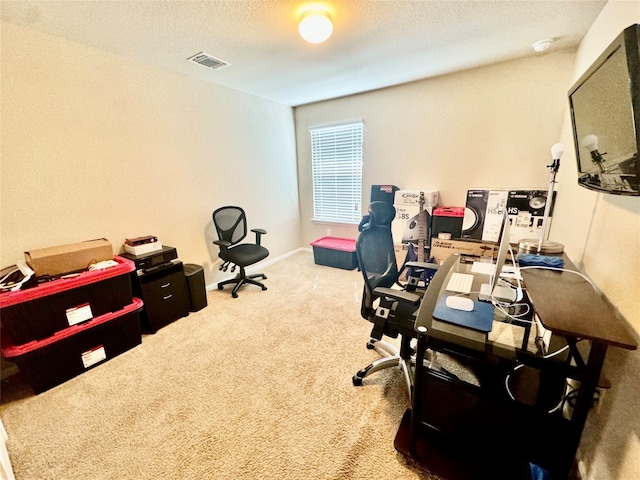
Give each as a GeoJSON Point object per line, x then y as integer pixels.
{"type": "Point", "coordinates": [587, 387]}
{"type": "Point", "coordinates": [416, 401]}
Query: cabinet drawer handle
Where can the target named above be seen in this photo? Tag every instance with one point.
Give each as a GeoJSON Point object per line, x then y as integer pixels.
{"type": "Point", "coordinates": [167, 297]}
{"type": "Point", "coordinates": [165, 285]}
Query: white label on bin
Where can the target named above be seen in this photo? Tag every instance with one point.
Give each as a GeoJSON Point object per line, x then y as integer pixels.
{"type": "Point", "coordinates": [93, 356]}
{"type": "Point", "coordinates": [79, 314]}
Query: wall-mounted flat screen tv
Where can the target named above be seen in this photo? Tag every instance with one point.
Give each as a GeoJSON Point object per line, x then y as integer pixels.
{"type": "Point", "coordinates": [605, 115]}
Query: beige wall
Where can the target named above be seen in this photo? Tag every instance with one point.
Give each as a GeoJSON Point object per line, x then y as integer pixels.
{"type": "Point", "coordinates": [487, 127]}
{"type": "Point", "coordinates": [96, 146]}
{"type": "Point", "coordinates": [602, 234]}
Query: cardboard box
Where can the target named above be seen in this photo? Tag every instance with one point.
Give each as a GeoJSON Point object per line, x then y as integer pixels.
{"type": "Point", "coordinates": [485, 208]}
{"type": "Point", "coordinates": [143, 248]}
{"type": "Point", "coordinates": [412, 197]}
{"type": "Point", "coordinates": [525, 209]}
{"type": "Point", "coordinates": [442, 249]}
{"type": "Point", "coordinates": [404, 227]}
{"type": "Point", "coordinates": [400, 250]}
{"type": "Point", "coordinates": [483, 215]}
{"type": "Point", "coordinates": [62, 259]}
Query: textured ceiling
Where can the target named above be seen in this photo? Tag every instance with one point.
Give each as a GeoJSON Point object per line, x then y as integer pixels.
{"type": "Point", "coordinates": [376, 43]}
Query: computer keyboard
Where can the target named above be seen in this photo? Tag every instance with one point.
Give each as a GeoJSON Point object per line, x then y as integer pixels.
{"type": "Point", "coordinates": [460, 283]}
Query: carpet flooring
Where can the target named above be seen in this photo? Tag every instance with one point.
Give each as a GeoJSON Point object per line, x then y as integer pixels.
{"type": "Point", "coordinates": [257, 387]}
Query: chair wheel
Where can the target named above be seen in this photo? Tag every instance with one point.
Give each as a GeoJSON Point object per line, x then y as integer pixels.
{"type": "Point", "coordinates": [234, 295]}
{"type": "Point", "coordinates": [371, 346]}
{"type": "Point", "coordinates": [220, 287]}
{"type": "Point", "coordinates": [357, 381]}
{"type": "Point", "coordinates": [264, 288]}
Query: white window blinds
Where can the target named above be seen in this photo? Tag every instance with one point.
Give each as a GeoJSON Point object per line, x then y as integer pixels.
{"type": "Point", "coordinates": [336, 155]}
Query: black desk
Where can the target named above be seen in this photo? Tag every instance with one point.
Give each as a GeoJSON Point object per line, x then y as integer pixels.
{"type": "Point", "coordinates": [489, 427]}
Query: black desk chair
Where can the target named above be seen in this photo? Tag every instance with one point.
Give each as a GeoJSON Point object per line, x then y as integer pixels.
{"type": "Point", "coordinates": [391, 310]}
{"type": "Point", "coordinates": [231, 225]}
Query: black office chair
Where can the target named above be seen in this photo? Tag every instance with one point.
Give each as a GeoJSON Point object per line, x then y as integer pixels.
{"type": "Point", "coordinates": [231, 225]}
{"type": "Point", "coordinates": [391, 310]}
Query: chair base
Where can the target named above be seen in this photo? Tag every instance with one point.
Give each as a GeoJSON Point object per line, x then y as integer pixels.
{"type": "Point", "coordinates": [242, 279]}
{"type": "Point", "coordinates": [394, 359]}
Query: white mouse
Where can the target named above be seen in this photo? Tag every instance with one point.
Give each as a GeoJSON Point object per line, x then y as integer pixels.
{"type": "Point", "coordinates": [459, 303]}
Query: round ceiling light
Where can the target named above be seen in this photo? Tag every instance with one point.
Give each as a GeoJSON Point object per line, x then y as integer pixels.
{"type": "Point", "coordinates": [315, 26]}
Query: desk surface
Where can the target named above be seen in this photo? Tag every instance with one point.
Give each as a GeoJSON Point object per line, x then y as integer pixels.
{"type": "Point", "coordinates": [565, 302]}
{"type": "Point", "coordinates": [567, 305]}
{"type": "Point", "coordinates": [578, 311]}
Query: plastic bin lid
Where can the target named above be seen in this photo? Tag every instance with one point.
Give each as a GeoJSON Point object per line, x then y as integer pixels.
{"type": "Point", "coordinates": [449, 212]}
{"type": "Point", "coordinates": [123, 267]}
{"type": "Point", "coordinates": [336, 243]}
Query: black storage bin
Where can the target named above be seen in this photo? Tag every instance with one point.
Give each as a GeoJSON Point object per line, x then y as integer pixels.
{"type": "Point", "coordinates": [39, 312]}
{"type": "Point", "coordinates": [335, 252]}
{"type": "Point", "coordinates": [70, 352]}
{"type": "Point", "coordinates": [194, 274]}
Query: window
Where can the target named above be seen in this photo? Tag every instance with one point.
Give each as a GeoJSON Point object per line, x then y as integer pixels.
{"type": "Point", "coordinates": [336, 156]}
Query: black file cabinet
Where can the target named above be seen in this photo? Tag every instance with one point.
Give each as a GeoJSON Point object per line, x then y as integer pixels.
{"type": "Point", "coordinates": [163, 290]}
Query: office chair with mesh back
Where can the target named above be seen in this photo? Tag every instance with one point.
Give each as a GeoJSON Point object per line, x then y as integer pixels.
{"type": "Point", "coordinates": [391, 310]}
{"type": "Point", "coordinates": [231, 225]}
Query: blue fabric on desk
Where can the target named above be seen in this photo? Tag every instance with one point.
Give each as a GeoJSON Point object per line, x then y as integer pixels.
{"type": "Point", "coordinates": [538, 473]}
{"type": "Point", "coordinates": [533, 260]}
{"type": "Point", "coordinates": [480, 318]}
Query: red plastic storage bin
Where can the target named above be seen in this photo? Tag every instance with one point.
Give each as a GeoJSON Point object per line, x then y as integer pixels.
{"type": "Point", "coordinates": [447, 220]}
{"type": "Point", "coordinates": [70, 352]}
{"type": "Point", "coordinates": [39, 312]}
{"type": "Point", "coordinates": [335, 252]}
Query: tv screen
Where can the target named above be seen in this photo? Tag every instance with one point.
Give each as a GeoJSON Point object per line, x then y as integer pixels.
{"type": "Point", "coordinates": [605, 114]}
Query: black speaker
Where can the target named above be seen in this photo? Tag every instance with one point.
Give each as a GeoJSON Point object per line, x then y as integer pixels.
{"type": "Point", "coordinates": [383, 193]}
{"type": "Point", "coordinates": [194, 274]}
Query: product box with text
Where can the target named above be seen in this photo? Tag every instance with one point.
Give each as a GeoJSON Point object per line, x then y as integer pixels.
{"type": "Point", "coordinates": [483, 215]}
{"type": "Point", "coordinates": [442, 249]}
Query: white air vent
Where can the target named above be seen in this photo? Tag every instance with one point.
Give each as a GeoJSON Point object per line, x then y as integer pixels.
{"type": "Point", "coordinates": [208, 61]}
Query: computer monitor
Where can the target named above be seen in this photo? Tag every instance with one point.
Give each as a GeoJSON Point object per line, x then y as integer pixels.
{"type": "Point", "coordinates": [492, 289]}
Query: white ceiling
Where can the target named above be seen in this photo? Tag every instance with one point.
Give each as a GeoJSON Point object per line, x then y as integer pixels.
{"type": "Point", "coordinates": [375, 44]}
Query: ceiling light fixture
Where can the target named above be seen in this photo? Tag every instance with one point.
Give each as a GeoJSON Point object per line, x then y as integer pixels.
{"type": "Point", "coordinates": [542, 45]}
{"type": "Point", "coordinates": [315, 26]}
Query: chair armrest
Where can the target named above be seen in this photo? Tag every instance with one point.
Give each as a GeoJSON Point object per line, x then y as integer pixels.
{"type": "Point", "coordinates": [259, 232]}
{"type": "Point", "coordinates": [223, 244]}
{"type": "Point", "coordinates": [400, 295]}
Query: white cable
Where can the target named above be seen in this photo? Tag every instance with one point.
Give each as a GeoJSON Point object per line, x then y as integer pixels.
{"type": "Point", "coordinates": [508, 389]}
{"type": "Point", "coordinates": [561, 270]}
{"type": "Point", "coordinates": [500, 306]}
{"type": "Point", "coordinates": [553, 354]}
